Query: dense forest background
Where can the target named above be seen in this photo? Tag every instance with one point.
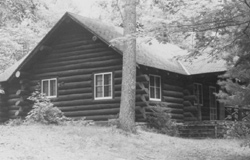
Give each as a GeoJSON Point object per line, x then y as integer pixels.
{"type": "Point", "coordinates": [219, 28]}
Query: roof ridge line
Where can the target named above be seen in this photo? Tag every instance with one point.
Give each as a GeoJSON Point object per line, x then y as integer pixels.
{"type": "Point", "coordinates": [185, 69]}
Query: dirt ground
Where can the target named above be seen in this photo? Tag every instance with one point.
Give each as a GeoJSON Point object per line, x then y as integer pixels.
{"type": "Point", "coordinates": [40, 142]}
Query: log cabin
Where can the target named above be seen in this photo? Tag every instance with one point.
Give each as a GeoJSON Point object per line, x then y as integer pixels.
{"type": "Point", "coordinates": [78, 67]}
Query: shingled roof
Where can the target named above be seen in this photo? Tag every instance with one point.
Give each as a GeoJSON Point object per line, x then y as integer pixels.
{"type": "Point", "coordinates": [156, 55]}
{"type": "Point", "coordinates": [203, 64]}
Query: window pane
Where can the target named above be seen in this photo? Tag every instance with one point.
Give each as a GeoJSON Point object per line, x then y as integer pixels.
{"type": "Point", "coordinates": [99, 91]}
{"type": "Point", "coordinates": [200, 90]}
{"type": "Point", "coordinates": [157, 79]}
{"type": "Point", "coordinates": [52, 87]}
{"type": "Point", "coordinates": [45, 86]}
{"type": "Point", "coordinates": [212, 97]}
{"type": "Point", "coordinates": [198, 93]}
{"type": "Point", "coordinates": [152, 81]}
{"type": "Point", "coordinates": [107, 91]}
{"type": "Point", "coordinates": [158, 96]}
{"type": "Point", "coordinates": [107, 79]}
{"type": "Point", "coordinates": [152, 92]}
{"type": "Point", "coordinates": [98, 80]}
{"type": "Point", "coordinates": [200, 98]}
{"type": "Point", "coordinates": [212, 103]}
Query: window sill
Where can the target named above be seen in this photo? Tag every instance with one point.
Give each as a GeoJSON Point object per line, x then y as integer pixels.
{"type": "Point", "coordinates": [157, 100]}
{"type": "Point", "coordinates": [106, 98]}
{"type": "Point", "coordinates": [51, 97]}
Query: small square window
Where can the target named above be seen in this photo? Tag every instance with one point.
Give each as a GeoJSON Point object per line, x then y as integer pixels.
{"type": "Point", "coordinates": [103, 86]}
{"type": "Point", "coordinates": [49, 87]}
{"type": "Point", "coordinates": [155, 88]}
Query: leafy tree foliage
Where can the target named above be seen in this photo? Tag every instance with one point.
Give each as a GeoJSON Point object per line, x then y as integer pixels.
{"type": "Point", "coordinates": [23, 23]}
{"type": "Point", "coordinates": [220, 29]}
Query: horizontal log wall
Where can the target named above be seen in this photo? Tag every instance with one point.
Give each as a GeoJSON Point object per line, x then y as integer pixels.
{"type": "Point", "coordinates": [191, 111]}
{"type": "Point", "coordinates": [24, 105]}
{"type": "Point", "coordinates": [172, 98]}
{"type": "Point", "coordinates": [142, 92]}
{"type": "Point", "coordinates": [172, 95]}
{"type": "Point", "coordinates": [3, 103]}
{"type": "Point", "coordinates": [14, 86]}
{"type": "Point", "coordinates": [73, 60]}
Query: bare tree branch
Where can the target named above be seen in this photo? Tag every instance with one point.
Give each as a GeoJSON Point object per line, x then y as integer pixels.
{"type": "Point", "coordinates": [245, 29]}
{"type": "Point", "coordinates": [245, 1]}
{"type": "Point", "coordinates": [223, 21]}
{"type": "Point", "coordinates": [208, 43]}
{"type": "Point", "coordinates": [197, 29]}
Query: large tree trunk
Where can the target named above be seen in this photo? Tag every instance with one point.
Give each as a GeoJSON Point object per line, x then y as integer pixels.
{"type": "Point", "coordinates": [127, 109]}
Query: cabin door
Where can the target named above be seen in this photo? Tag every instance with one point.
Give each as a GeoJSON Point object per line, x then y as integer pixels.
{"type": "Point", "coordinates": [212, 103]}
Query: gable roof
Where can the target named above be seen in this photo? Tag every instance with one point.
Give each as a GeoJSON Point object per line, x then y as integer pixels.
{"type": "Point", "coordinates": [148, 55]}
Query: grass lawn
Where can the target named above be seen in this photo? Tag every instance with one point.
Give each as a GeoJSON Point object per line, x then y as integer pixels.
{"type": "Point", "coordinates": [39, 142]}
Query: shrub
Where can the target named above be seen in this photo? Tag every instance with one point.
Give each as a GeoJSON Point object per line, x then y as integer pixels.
{"type": "Point", "coordinates": [235, 129]}
{"type": "Point", "coordinates": [114, 123]}
{"type": "Point", "coordinates": [15, 122]}
{"type": "Point", "coordinates": [161, 121]}
{"type": "Point", "coordinates": [43, 111]}
{"type": "Point", "coordinates": [79, 122]}
{"type": "Point", "coordinates": [246, 142]}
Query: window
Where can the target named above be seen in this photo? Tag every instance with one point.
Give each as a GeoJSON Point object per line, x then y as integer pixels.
{"type": "Point", "coordinates": [103, 85]}
{"type": "Point", "coordinates": [212, 103]}
{"type": "Point", "coordinates": [198, 92]}
{"type": "Point", "coordinates": [49, 87]}
{"type": "Point", "coordinates": [155, 88]}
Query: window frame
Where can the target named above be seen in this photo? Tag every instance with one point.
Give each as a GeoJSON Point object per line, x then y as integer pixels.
{"type": "Point", "coordinates": [215, 107]}
{"type": "Point", "coordinates": [155, 99]}
{"type": "Point", "coordinates": [49, 79]}
{"type": "Point", "coordinates": [103, 98]}
{"type": "Point", "coordinates": [199, 103]}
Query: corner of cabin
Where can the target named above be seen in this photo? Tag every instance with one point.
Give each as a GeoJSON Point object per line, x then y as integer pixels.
{"type": "Point", "coordinates": [162, 88]}
{"type": "Point", "coordinates": [200, 103]}
{"type": "Point", "coordinates": [3, 102]}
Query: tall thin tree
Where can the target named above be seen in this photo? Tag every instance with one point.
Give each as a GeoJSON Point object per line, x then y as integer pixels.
{"type": "Point", "coordinates": [127, 109]}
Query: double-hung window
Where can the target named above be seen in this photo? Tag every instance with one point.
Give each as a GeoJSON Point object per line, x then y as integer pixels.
{"type": "Point", "coordinates": [103, 85]}
{"type": "Point", "coordinates": [198, 92]}
{"type": "Point", "coordinates": [49, 87]}
{"type": "Point", "coordinates": [212, 103]}
{"type": "Point", "coordinates": [155, 88]}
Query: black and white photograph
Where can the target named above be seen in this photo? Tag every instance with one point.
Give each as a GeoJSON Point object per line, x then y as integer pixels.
{"type": "Point", "coordinates": [124, 79]}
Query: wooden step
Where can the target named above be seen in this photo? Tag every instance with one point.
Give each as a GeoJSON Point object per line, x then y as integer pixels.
{"type": "Point", "coordinates": [198, 130]}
